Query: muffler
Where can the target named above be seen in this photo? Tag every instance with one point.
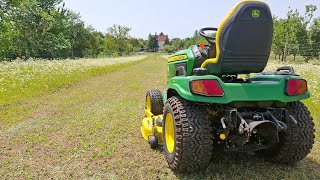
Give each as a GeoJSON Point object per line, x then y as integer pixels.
{"type": "Point", "coordinates": [265, 129]}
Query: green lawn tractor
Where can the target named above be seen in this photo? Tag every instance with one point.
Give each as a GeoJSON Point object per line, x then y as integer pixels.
{"type": "Point", "coordinates": [218, 96]}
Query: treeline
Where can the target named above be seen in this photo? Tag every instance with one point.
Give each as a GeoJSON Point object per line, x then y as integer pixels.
{"type": "Point", "coordinates": [176, 44]}
{"type": "Point", "coordinates": [46, 29]}
{"type": "Point", "coordinates": [297, 34]}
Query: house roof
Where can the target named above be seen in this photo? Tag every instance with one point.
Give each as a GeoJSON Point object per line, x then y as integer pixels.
{"type": "Point", "coordinates": [162, 37]}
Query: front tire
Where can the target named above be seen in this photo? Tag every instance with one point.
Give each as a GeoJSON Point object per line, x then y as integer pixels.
{"type": "Point", "coordinates": [297, 141]}
{"type": "Point", "coordinates": [186, 135]}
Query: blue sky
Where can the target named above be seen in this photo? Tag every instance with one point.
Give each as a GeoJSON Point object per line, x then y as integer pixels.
{"type": "Point", "coordinates": [178, 18]}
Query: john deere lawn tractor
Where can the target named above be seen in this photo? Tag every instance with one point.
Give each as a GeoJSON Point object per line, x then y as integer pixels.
{"type": "Point", "coordinates": [218, 96]}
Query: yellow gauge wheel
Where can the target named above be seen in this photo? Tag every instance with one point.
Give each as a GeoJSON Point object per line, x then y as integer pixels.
{"type": "Point", "coordinates": [154, 102]}
{"type": "Point", "coordinates": [169, 133]}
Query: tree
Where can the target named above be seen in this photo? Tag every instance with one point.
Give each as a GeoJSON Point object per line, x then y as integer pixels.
{"type": "Point", "coordinates": [44, 29]}
{"type": "Point", "coordinates": [95, 43]}
{"type": "Point", "coordinates": [169, 48]}
{"type": "Point", "coordinates": [7, 31]}
{"type": "Point", "coordinates": [137, 44]}
{"type": "Point", "coordinates": [152, 43]}
{"type": "Point", "coordinates": [143, 43]}
{"type": "Point", "coordinates": [196, 39]}
{"type": "Point", "coordinates": [117, 41]}
{"type": "Point", "coordinates": [121, 34]}
{"type": "Point", "coordinates": [155, 43]}
{"type": "Point", "coordinates": [278, 39]}
{"type": "Point", "coordinates": [110, 45]}
{"type": "Point", "coordinates": [38, 27]}
{"type": "Point", "coordinates": [177, 43]}
{"type": "Point", "coordinates": [314, 39]}
{"type": "Point", "coordinates": [167, 41]}
{"type": "Point", "coordinates": [293, 31]}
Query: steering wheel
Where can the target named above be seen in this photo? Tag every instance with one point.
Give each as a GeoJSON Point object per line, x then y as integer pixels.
{"type": "Point", "coordinates": [202, 33]}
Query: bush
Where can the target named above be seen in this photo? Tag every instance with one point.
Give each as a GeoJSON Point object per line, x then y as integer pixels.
{"type": "Point", "coordinates": [169, 48]}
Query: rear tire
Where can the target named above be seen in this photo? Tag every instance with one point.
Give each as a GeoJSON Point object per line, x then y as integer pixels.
{"type": "Point", "coordinates": [295, 143]}
{"type": "Point", "coordinates": [191, 148]}
{"type": "Point", "coordinates": [154, 102]}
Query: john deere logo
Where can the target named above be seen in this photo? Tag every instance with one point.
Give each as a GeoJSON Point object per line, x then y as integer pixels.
{"type": "Point", "coordinates": [255, 13]}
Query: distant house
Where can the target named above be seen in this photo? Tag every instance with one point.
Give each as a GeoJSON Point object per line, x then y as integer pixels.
{"type": "Point", "coordinates": [161, 40]}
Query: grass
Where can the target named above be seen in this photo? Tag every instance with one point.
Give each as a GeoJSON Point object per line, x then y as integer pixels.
{"type": "Point", "coordinates": [91, 130]}
{"type": "Point", "coordinates": [297, 59]}
{"type": "Point", "coordinates": [21, 80]}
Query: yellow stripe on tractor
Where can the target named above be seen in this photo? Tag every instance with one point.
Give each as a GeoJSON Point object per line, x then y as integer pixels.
{"type": "Point", "coordinates": [177, 58]}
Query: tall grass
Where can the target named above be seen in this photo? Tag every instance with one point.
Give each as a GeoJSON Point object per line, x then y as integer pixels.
{"type": "Point", "coordinates": [24, 79]}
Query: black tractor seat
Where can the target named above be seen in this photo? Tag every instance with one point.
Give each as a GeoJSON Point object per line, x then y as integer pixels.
{"type": "Point", "coordinates": [243, 41]}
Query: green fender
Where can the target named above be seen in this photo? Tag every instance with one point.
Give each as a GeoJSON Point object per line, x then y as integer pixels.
{"type": "Point", "coordinates": [261, 88]}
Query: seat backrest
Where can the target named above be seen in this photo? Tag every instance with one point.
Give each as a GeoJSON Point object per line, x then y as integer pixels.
{"type": "Point", "coordinates": [244, 40]}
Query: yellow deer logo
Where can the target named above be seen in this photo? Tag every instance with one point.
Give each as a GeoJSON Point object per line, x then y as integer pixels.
{"type": "Point", "coordinates": [255, 13]}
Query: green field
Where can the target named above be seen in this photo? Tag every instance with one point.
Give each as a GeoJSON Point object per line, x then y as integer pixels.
{"type": "Point", "coordinates": [89, 128]}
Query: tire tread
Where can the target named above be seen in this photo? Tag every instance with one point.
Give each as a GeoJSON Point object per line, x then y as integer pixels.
{"type": "Point", "coordinates": [194, 143]}
{"type": "Point", "coordinates": [296, 143]}
{"type": "Point", "coordinates": [156, 101]}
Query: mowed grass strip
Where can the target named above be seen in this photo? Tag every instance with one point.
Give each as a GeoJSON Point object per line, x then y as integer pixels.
{"type": "Point", "coordinates": [92, 130]}
{"type": "Point", "coordinates": [21, 80]}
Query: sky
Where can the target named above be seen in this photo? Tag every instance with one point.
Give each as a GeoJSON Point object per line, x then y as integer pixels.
{"type": "Point", "coordinates": [177, 18]}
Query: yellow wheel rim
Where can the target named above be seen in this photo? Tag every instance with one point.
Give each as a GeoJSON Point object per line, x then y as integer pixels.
{"type": "Point", "coordinates": [169, 132]}
{"type": "Point", "coordinates": [148, 103]}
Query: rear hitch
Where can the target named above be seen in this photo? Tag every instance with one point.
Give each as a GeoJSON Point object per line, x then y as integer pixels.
{"type": "Point", "coordinates": [246, 130]}
{"type": "Point", "coordinates": [281, 126]}
{"type": "Point", "coordinates": [232, 120]}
